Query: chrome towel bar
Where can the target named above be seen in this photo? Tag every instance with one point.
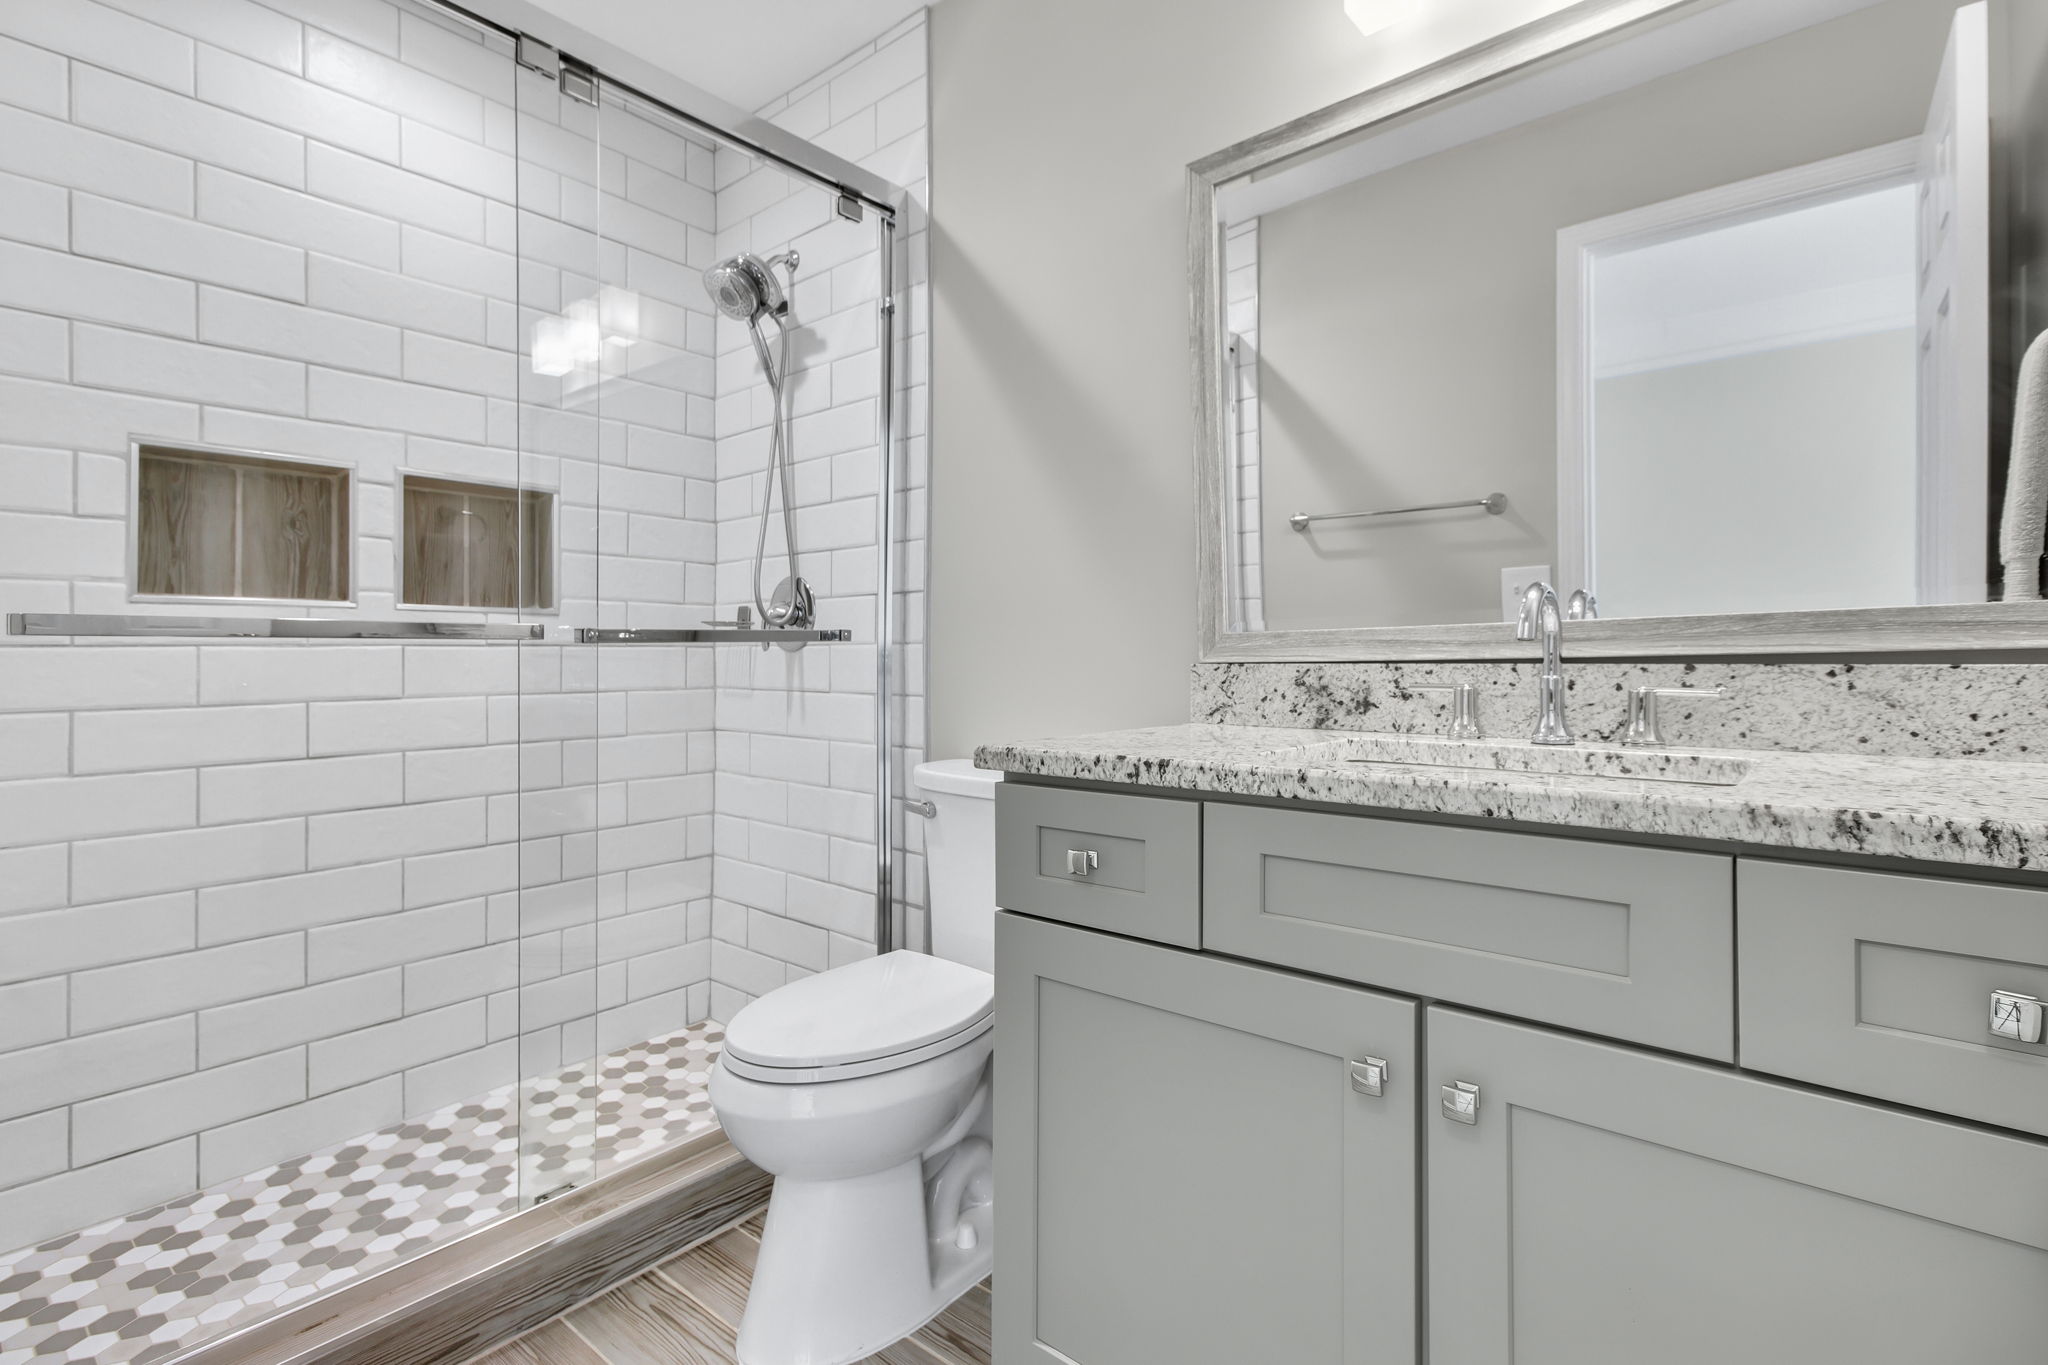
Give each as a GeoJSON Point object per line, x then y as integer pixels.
{"type": "Point", "coordinates": [1494, 503]}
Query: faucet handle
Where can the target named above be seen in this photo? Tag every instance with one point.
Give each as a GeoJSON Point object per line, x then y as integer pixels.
{"type": "Point", "coordinates": [1645, 729]}
{"type": "Point", "coordinates": [1582, 606]}
{"type": "Point", "coordinates": [1464, 722]}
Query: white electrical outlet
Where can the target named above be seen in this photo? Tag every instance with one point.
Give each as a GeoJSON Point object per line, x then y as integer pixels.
{"type": "Point", "coordinates": [1513, 581]}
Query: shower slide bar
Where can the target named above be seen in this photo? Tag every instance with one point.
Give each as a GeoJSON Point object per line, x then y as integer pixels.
{"type": "Point", "coordinates": [1494, 503]}
{"type": "Point", "coordinates": [316, 628]}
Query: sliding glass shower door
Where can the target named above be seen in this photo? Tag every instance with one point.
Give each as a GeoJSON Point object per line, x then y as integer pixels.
{"type": "Point", "coordinates": [372, 864]}
{"type": "Point", "coordinates": [616, 781]}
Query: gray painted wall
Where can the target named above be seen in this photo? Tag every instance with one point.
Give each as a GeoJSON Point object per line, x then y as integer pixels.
{"type": "Point", "coordinates": [1062, 553]}
{"type": "Point", "coordinates": [1063, 594]}
{"type": "Point", "coordinates": [1774, 482]}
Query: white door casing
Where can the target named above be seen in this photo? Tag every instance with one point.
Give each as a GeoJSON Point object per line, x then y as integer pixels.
{"type": "Point", "coordinates": [1579, 250]}
{"type": "Point", "coordinates": [1955, 319]}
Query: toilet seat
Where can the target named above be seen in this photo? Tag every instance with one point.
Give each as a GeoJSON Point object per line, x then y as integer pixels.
{"type": "Point", "coordinates": [880, 1014]}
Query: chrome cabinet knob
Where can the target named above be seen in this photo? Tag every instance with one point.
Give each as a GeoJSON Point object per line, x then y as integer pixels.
{"type": "Point", "coordinates": [2016, 1017]}
{"type": "Point", "coordinates": [1370, 1076]}
{"type": "Point", "coordinates": [1461, 1102]}
{"type": "Point", "coordinates": [1082, 861]}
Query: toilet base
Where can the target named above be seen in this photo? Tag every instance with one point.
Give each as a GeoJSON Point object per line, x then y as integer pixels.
{"type": "Point", "coordinates": [848, 1267]}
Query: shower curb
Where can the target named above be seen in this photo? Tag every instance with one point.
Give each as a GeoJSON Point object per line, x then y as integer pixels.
{"type": "Point", "coordinates": [461, 1300]}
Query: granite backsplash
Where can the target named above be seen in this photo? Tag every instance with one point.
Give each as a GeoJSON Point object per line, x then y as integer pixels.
{"type": "Point", "coordinates": [1907, 710]}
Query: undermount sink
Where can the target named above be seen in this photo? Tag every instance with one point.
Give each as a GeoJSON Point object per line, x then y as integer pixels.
{"type": "Point", "coordinates": [1507, 756]}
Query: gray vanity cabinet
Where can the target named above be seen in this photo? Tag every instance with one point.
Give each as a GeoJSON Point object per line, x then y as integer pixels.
{"type": "Point", "coordinates": [1128, 864]}
{"type": "Point", "coordinates": [1884, 985]}
{"type": "Point", "coordinates": [1611, 1207]}
{"type": "Point", "coordinates": [1614, 939]}
{"type": "Point", "coordinates": [1198, 1169]}
{"type": "Point", "coordinates": [1196, 1172]}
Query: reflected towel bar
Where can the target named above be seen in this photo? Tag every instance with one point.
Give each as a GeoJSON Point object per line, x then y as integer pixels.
{"type": "Point", "coordinates": [1494, 503]}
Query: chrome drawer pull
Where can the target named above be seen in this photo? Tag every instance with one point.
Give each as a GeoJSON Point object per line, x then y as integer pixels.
{"type": "Point", "coordinates": [1461, 1102]}
{"type": "Point", "coordinates": [1370, 1076]}
{"type": "Point", "coordinates": [1082, 861]}
{"type": "Point", "coordinates": [2016, 1017]}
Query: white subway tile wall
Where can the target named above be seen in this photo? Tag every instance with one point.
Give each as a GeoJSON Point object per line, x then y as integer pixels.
{"type": "Point", "coordinates": [272, 896]}
{"type": "Point", "coordinates": [257, 899]}
{"type": "Point", "coordinates": [795, 864]}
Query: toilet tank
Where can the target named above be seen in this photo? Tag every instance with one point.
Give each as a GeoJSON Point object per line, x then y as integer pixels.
{"type": "Point", "coordinates": [960, 858]}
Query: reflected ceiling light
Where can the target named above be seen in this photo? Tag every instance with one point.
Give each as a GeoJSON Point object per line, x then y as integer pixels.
{"type": "Point", "coordinates": [1372, 16]}
{"type": "Point", "coordinates": [618, 315]}
{"type": "Point", "coordinates": [573, 343]}
{"type": "Point", "coordinates": [553, 355]}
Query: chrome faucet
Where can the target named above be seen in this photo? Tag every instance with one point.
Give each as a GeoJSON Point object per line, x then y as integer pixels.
{"type": "Point", "coordinates": [1541, 615]}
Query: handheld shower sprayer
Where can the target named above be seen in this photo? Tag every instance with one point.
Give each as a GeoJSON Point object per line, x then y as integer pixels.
{"type": "Point", "coordinates": [744, 286]}
{"type": "Point", "coordinates": [745, 289]}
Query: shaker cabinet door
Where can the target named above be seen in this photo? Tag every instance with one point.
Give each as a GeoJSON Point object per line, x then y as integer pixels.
{"type": "Point", "coordinates": [1192, 1165]}
{"type": "Point", "coordinates": [1605, 1206]}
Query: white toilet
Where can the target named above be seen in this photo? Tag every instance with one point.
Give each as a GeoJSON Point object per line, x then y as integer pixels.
{"type": "Point", "coordinates": [865, 1091]}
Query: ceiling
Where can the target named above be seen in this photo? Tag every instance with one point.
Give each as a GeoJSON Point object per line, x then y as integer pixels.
{"type": "Point", "coordinates": [747, 52]}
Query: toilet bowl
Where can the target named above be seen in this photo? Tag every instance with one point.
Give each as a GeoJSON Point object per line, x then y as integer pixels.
{"type": "Point", "coordinates": [866, 1091]}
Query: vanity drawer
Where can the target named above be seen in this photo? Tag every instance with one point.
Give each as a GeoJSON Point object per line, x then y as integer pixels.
{"type": "Point", "coordinates": [1626, 942]}
{"type": "Point", "coordinates": [1126, 864]}
{"type": "Point", "coordinates": [1881, 984]}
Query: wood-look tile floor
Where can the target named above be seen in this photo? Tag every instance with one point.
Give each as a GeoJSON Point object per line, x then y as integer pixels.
{"type": "Point", "coordinates": [687, 1312]}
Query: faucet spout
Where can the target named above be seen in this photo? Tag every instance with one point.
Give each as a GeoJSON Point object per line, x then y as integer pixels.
{"type": "Point", "coordinates": [1543, 618]}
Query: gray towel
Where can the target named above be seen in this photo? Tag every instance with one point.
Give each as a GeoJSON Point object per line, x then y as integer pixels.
{"type": "Point", "coordinates": [2026, 481]}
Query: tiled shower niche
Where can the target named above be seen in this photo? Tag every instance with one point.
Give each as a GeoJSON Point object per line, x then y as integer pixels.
{"type": "Point", "coordinates": [475, 545]}
{"type": "Point", "coordinates": [213, 524]}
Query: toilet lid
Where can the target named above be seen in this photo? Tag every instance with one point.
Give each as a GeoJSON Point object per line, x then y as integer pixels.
{"type": "Point", "coordinates": [872, 1008]}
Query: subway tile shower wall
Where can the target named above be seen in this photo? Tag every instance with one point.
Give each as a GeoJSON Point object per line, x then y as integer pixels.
{"type": "Point", "coordinates": [795, 858]}
{"type": "Point", "coordinates": [257, 899]}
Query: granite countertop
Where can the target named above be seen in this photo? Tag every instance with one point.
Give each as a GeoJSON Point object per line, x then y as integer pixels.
{"type": "Point", "coordinates": [1965, 811]}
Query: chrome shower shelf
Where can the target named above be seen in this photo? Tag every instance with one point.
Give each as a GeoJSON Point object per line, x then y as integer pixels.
{"type": "Point", "coordinates": [168, 627]}
{"type": "Point", "coordinates": [260, 628]}
{"type": "Point", "coordinates": [714, 635]}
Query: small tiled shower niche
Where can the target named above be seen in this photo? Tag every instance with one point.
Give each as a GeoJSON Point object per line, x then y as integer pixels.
{"type": "Point", "coordinates": [476, 545]}
{"type": "Point", "coordinates": [213, 524]}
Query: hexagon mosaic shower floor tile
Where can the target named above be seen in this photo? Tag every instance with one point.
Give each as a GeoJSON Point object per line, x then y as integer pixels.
{"type": "Point", "coordinates": [140, 1289]}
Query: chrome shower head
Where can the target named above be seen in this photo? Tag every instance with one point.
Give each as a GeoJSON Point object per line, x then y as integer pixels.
{"type": "Point", "coordinates": [744, 288]}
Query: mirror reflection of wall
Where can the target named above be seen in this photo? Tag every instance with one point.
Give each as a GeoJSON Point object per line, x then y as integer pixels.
{"type": "Point", "coordinates": [1752, 411]}
{"type": "Point", "coordinates": [1670, 295]}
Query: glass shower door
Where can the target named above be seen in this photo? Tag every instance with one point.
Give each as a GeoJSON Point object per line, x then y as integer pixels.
{"type": "Point", "coordinates": [560, 438]}
{"type": "Point", "coordinates": [655, 750]}
{"type": "Point", "coordinates": [616, 405]}
{"type": "Point", "coordinates": [258, 958]}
